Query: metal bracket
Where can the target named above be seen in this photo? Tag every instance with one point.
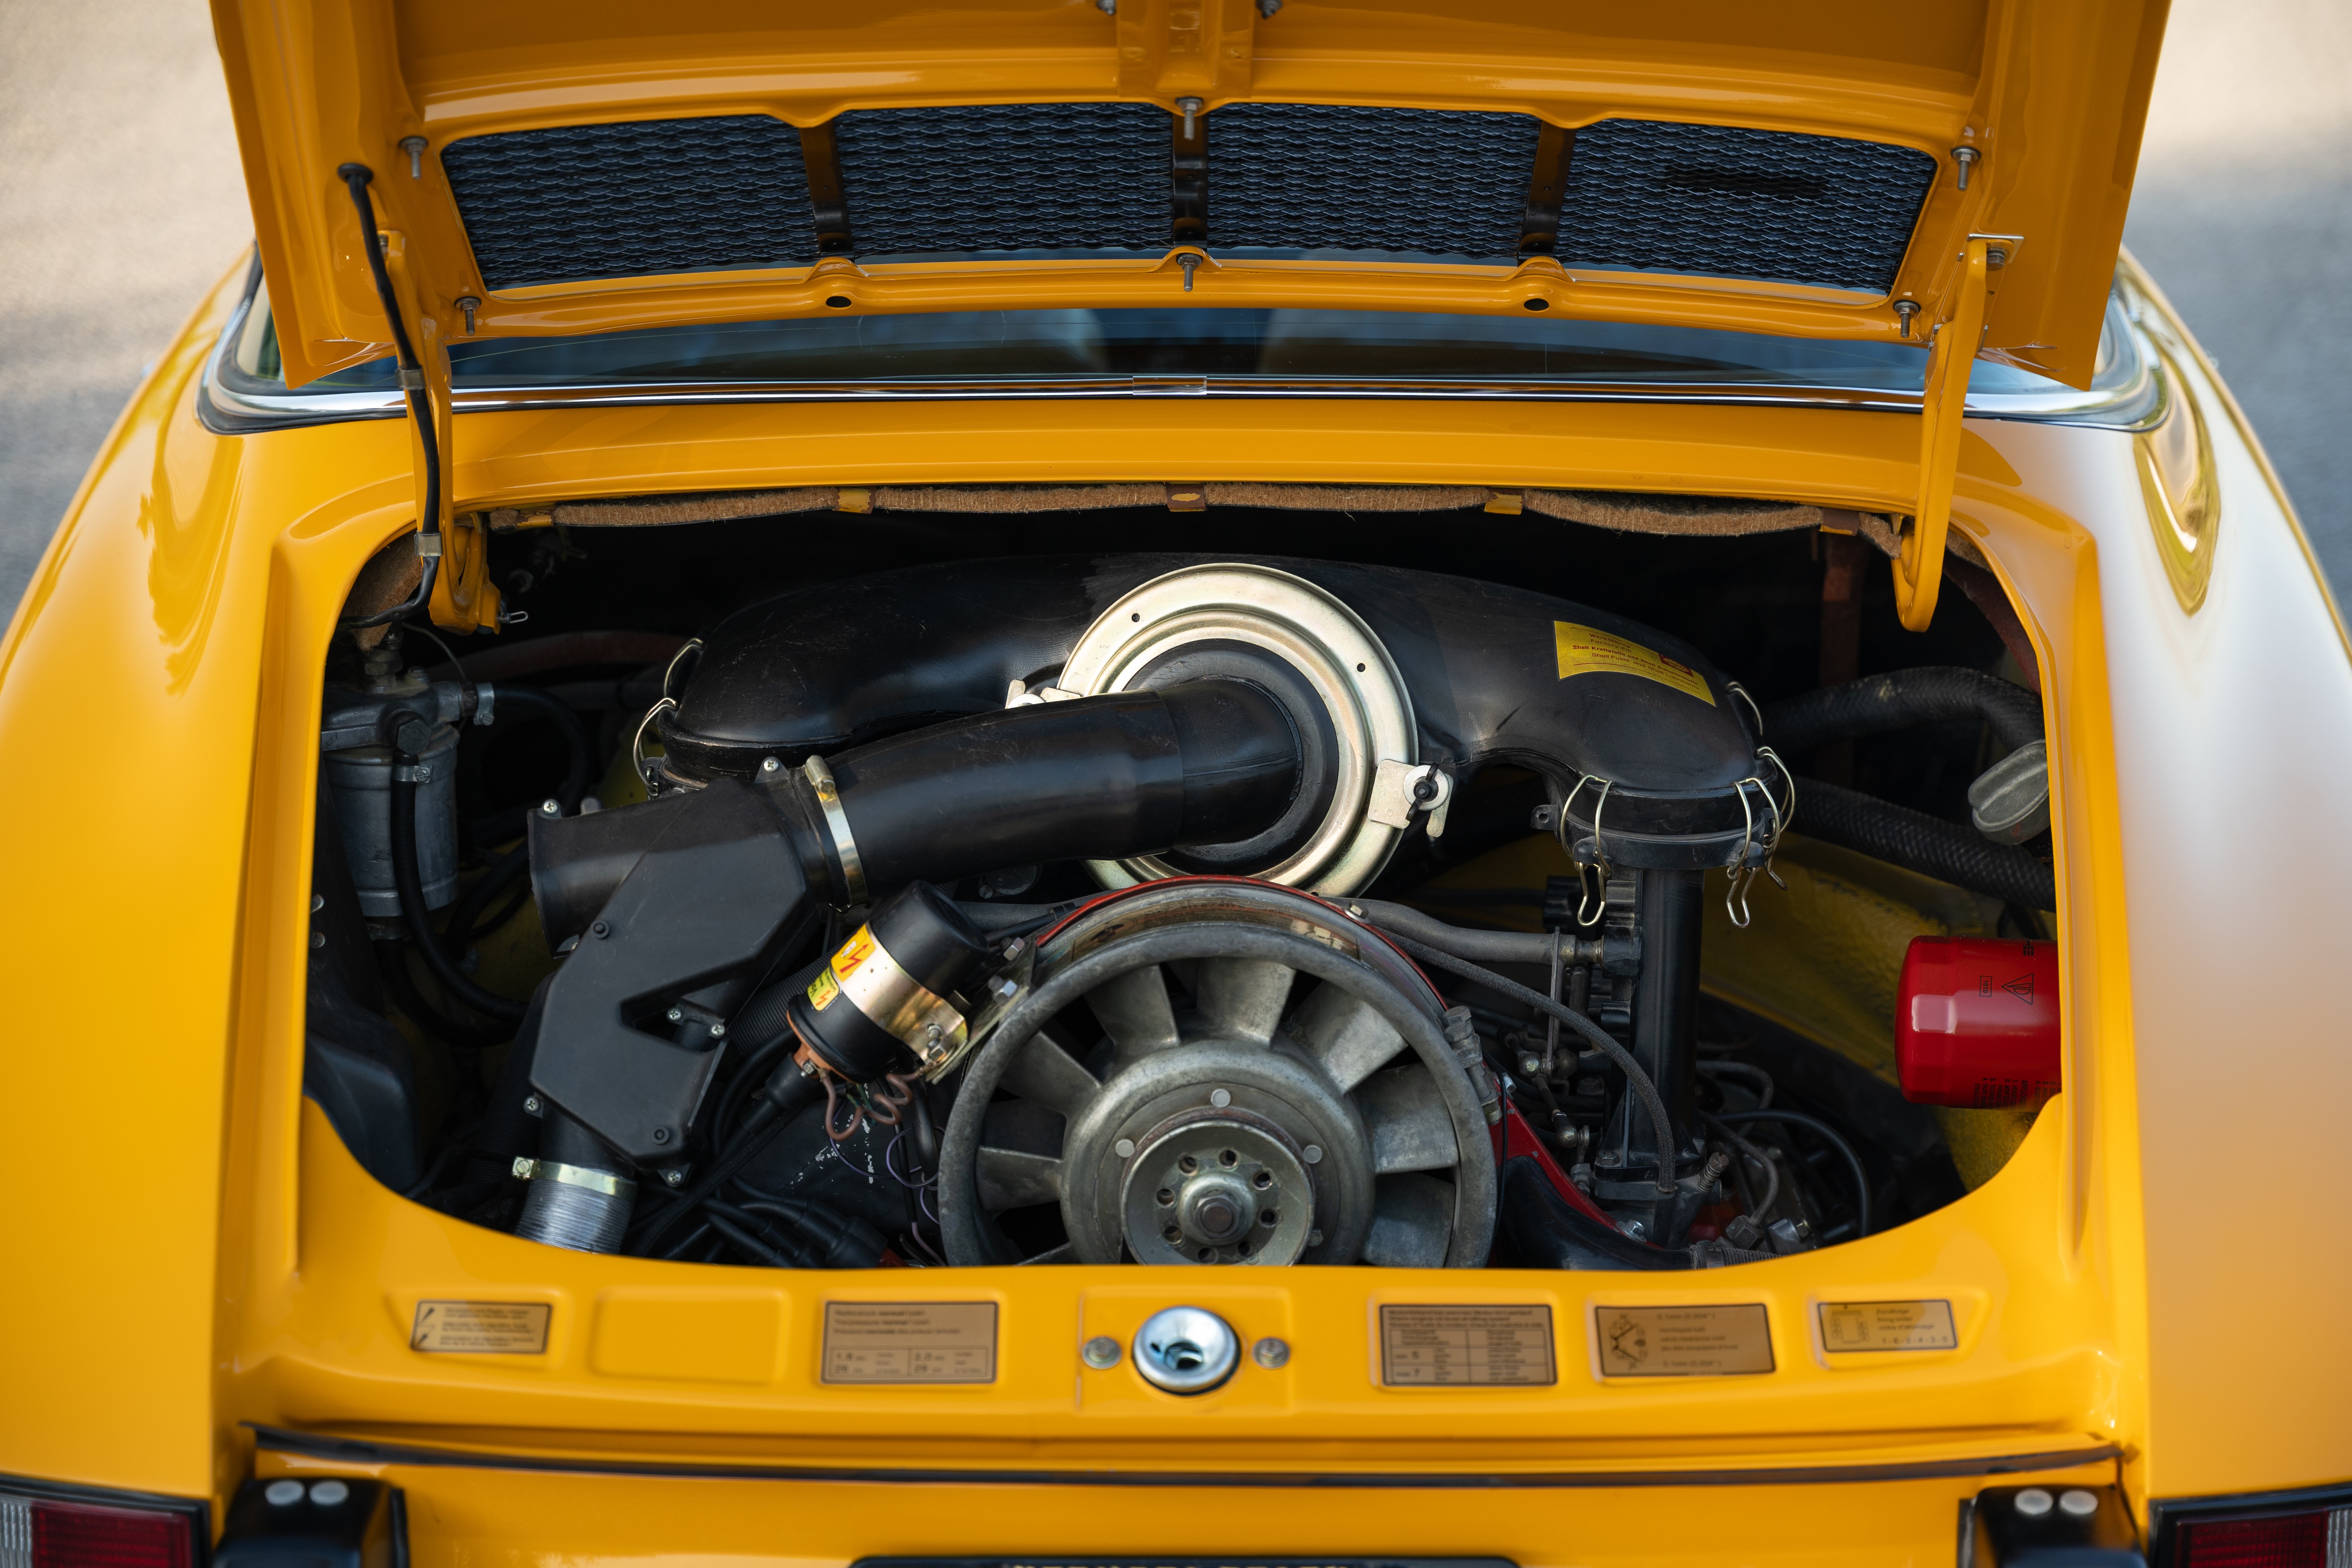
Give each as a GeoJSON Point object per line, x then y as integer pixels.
{"type": "Point", "coordinates": [1547, 190]}
{"type": "Point", "coordinates": [1401, 789]}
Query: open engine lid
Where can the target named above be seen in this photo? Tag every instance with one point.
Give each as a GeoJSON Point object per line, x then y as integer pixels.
{"type": "Point", "coordinates": [602, 166]}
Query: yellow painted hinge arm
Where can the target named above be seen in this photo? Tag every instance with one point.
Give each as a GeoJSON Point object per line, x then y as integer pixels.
{"type": "Point", "coordinates": [1920, 569]}
{"type": "Point", "coordinates": [464, 599]}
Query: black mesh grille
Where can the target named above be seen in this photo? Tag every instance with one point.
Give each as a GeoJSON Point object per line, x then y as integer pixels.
{"type": "Point", "coordinates": [1650, 196]}
{"type": "Point", "coordinates": [1006, 176]}
{"type": "Point", "coordinates": [1315, 176]}
{"type": "Point", "coordinates": [618, 201]}
{"type": "Point", "coordinates": [730, 193]}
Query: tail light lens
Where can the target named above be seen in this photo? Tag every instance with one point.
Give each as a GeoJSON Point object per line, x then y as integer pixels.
{"type": "Point", "coordinates": [2319, 1539]}
{"type": "Point", "coordinates": [1976, 1021]}
{"type": "Point", "coordinates": [52, 1532]}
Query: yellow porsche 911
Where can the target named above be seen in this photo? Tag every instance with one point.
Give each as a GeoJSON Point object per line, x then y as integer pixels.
{"type": "Point", "coordinates": [1141, 782]}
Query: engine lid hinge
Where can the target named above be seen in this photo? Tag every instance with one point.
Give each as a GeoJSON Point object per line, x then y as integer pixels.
{"type": "Point", "coordinates": [1920, 569]}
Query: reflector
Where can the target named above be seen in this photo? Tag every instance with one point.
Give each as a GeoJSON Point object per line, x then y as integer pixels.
{"type": "Point", "coordinates": [86, 1535]}
{"type": "Point", "coordinates": [2281, 1540]}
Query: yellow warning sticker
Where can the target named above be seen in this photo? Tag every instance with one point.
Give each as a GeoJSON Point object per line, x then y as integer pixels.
{"type": "Point", "coordinates": [1585, 651]}
{"type": "Point", "coordinates": [1683, 1341]}
{"type": "Point", "coordinates": [823, 990]}
{"type": "Point", "coordinates": [481, 1328]}
{"type": "Point", "coordinates": [854, 952]}
{"type": "Point", "coordinates": [1888, 1326]}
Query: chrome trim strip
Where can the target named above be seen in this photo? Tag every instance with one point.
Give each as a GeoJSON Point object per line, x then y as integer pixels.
{"type": "Point", "coordinates": [2141, 404]}
{"type": "Point", "coordinates": [367, 1452]}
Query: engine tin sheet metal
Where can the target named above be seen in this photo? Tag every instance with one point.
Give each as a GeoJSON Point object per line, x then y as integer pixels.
{"type": "Point", "coordinates": [806, 1375]}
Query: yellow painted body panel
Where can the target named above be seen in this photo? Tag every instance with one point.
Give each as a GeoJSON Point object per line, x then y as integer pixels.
{"type": "Point", "coordinates": [2051, 92]}
{"type": "Point", "coordinates": [201, 1255]}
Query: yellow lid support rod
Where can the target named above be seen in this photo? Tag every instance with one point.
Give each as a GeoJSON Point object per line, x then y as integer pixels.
{"type": "Point", "coordinates": [1920, 569]}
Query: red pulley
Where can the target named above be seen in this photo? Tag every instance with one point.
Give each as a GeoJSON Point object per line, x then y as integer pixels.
{"type": "Point", "coordinates": [1976, 1021]}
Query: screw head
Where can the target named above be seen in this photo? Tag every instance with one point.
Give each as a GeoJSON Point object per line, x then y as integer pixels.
{"type": "Point", "coordinates": [2078, 1503]}
{"type": "Point", "coordinates": [1314, 1236]}
{"type": "Point", "coordinates": [282, 1494]}
{"type": "Point", "coordinates": [1101, 1352]}
{"type": "Point", "coordinates": [674, 1177]}
{"type": "Point", "coordinates": [661, 1134]}
{"type": "Point", "coordinates": [1314, 1153]}
{"type": "Point", "coordinates": [551, 806]}
{"type": "Point", "coordinates": [532, 1105]}
{"type": "Point", "coordinates": [1220, 1097]}
{"type": "Point", "coordinates": [771, 766]}
{"type": "Point", "coordinates": [600, 930]}
{"type": "Point", "coordinates": [1124, 1148]}
{"type": "Point", "coordinates": [1271, 1353]}
{"type": "Point", "coordinates": [677, 1015]}
{"type": "Point", "coordinates": [2033, 1503]}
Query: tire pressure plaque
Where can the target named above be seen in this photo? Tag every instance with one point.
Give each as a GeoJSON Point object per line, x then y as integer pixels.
{"type": "Point", "coordinates": [1466, 1346]}
{"type": "Point", "coordinates": [909, 1341]}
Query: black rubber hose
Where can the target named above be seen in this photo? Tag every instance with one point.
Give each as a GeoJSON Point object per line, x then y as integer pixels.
{"type": "Point", "coordinates": [576, 737]}
{"type": "Point", "coordinates": [1852, 1160]}
{"type": "Point", "coordinates": [1480, 946]}
{"type": "Point", "coordinates": [1207, 762]}
{"type": "Point", "coordinates": [1899, 699]}
{"type": "Point", "coordinates": [1927, 845]}
{"type": "Point", "coordinates": [1546, 1231]}
{"type": "Point", "coordinates": [410, 885]}
{"type": "Point", "coordinates": [788, 1094]}
{"type": "Point", "coordinates": [1654, 1106]}
{"type": "Point", "coordinates": [356, 178]}
{"type": "Point", "coordinates": [1096, 778]}
{"type": "Point", "coordinates": [457, 927]}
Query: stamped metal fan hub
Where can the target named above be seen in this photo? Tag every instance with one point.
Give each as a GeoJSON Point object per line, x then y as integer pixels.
{"type": "Point", "coordinates": [1215, 1186]}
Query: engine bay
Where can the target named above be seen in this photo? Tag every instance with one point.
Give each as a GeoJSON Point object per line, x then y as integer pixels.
{"type": "Point", "coordinates": [1280, 886]}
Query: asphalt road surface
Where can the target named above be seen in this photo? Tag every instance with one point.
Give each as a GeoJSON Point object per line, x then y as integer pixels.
{"type": "Point", "coordinates": [121, 200]}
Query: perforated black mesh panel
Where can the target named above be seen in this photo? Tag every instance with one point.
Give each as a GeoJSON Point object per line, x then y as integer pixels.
{"type": "Point", "coordinates": [731, 193]}
{"type": "Point", "coordinates": [1741, 204]}
{"type": "Point", "coordinates": [617, 201]}
{"type": "Point", "coordinates": [1007, 176]}
{"type": "Point", "coordinates": [1318, 176]}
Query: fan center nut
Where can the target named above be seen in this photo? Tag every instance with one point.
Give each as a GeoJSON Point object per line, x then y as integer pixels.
{"type": "Point", "coordinates": [1218, 1186]}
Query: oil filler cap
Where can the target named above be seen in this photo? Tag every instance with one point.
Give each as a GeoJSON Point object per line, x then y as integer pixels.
{"type": "Point", "coordinates": [1186, 1349]}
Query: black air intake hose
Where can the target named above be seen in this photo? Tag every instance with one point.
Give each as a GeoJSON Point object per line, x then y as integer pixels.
{"type": "Point", "coordinates": [1207, 762]}
{"type": "Point", "coordinates": [1880, 704]}
{"type": "Point", "coordinates": [1948, 851]}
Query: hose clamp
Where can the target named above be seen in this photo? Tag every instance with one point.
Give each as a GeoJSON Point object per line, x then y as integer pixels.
{"type": "Point", "coordinates": [836, 821]}
{"type": "Point", "coordinates": [604, 1182]}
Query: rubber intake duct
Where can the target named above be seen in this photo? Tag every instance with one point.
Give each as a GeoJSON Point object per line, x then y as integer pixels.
{"type": "Point", "coordinates": [1200, 763]}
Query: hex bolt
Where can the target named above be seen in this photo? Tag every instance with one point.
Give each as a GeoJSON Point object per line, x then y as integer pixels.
{"type": "Point", "coordinates": [414, 147]}
{"type": "Point", "coordinates": [1905, 309]}
{"type": "Point", "coordinates": [661, 1134]}
{"type": "Point", "coordinates": [1101, 1352]}
{"type": "Point", "coordinates": [468, 303]}
{"type": "Point", "coordinates": [1192, 108]}
{"type": "Point", "coordinates": [1966, 158]}
{"type": "Point", "coordinates": [1188, 261]}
